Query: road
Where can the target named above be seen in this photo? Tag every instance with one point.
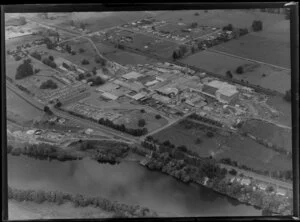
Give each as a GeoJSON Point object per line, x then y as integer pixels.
{"type": "Point", "coordinates": [251, 60]}
{"type": "Point", "coordinates": [87, 123]}
{"type": "Point", "coordinates": [259, 177]}
{"type": "Point", "coordinates": [165, 126]}
{"type": "Point", "coordinates": [272, 122]}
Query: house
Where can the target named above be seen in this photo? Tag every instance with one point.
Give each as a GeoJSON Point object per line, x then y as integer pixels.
{"type": "Point", "coordinates": [281, 192]}
{"type": "Point", "coordinates": [245, 181]}
{"type": "Point", "coordinates": [132, 75]}
{"type": "Point", "coordinates": [109, 96]}
{"type": "Point", "coordinates": [262, 186]}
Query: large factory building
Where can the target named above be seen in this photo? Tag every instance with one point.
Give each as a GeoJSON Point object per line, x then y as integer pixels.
{"type": "Point", "coordinates": [222, 91]}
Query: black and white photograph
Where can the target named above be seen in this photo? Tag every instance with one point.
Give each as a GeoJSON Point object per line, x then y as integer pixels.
{"type": "Point", "coordinates": [149, 114]}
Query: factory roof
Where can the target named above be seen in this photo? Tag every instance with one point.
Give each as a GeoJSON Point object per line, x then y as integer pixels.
{"type": "Point", "coordinates": [138, 96]}
{"type": "Point", "coordinates": [107, 87]}
{"type": "Point", "coordinates": [109, 96]}
{"type": "Point", "coordinates": [132, 75]}
{"type": "Point", "coordinates": [168, 90]}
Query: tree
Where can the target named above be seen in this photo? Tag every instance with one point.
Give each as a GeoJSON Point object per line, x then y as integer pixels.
{"type": "Point", "coordinates": [22, 20]}
{"type": "Point", "coordinates": [270, 189]}
{"type": "Point", "coordinates": [48, 110]}
{"type": "Point", "coordinates": [142, 111]}
{"type": "Point", "coordinates": [228, 27]}
{"type": "Point", "coordinates": [182, 148]}
{"type": "Point", "coordinates": [229, 74]}
{"type": "Point", "coordinates": [257, 25]}
{"type": "Point", "coordinates": [51, 57]}
{"type": "Point", "coordinates": [49, 84]}
{"type": "Point", "coordinates": [81, 50]}
{"type": "Point", "coordinates": [157, 116]}
{"type": "Point", "coordinates": [198, 141]}
{"type": "Point", "coordinates": [97, 81]}
{"type": "Point", "coordinates": [94, 71]}
{"type": "Point", "coordinates": [233, 172]}
{"type": "Point", "coordinates": [196, 13]}
{"type": "Point", "coordinates": [141, 123]}
{"type": "Point", "coordinates": [288, 95]}
{"type": "Point", "coordinates": [239, 70]}
{"type": "Point", "coordinates": [209, 134]}
{"type": "Point", "coordinates": [36, 55]}
{"type": "Point", "coordinates": [24, 70]}
{"type": "Point", "coordinates": [194, 25]}
{"type": "Point", "coordinates": [85, 62]}
{"type": "Point", "coordinates": [80, 76]}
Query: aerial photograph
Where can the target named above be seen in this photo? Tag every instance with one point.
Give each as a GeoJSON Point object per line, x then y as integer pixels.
{"type": "Point", "coordinates": [146, 114]}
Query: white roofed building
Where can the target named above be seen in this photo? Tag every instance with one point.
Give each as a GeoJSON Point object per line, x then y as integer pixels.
{"type": "Point", "coordinates": [132, 75]}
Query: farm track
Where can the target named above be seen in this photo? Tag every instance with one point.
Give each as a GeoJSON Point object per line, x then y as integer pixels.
{"type": "Point", "coordinates": [250, 60]}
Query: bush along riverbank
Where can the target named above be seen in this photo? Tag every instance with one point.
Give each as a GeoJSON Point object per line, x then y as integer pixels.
{"type": "Point", "coordinates": [44, 151]}
{"type": "Point", "coordinates": [104, 151]}
{"type": "Point", "coordinates": [206, 172]}
{"type": "Point", "coordinates": [78, 200]}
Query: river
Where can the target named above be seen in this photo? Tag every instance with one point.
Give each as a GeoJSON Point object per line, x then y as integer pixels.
{"type": "Point", "coordinates": [127, 182]}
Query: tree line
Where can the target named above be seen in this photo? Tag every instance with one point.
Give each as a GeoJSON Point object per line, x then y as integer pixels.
{"type": "Point", "coordinates": [78, 200]}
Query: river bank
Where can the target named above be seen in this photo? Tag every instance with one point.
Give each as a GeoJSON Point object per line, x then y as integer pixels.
{"type": "Point", "coordinates": [78, 200]}
{"type": "Point", "coordinates": [127, 182]}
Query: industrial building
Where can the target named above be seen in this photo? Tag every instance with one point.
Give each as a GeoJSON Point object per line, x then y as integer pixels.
{"type": "Point", "coordinates": [222, 91]}
{"type": "Point", "coordinates": [167, 91]}
{"type": "Point", "coordinates": [132, 75]}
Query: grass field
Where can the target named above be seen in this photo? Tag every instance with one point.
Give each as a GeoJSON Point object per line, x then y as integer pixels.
{"type": "Point", "coordinates": [279, 136]}
{"type": "Point", "coordinates": [238, 18]}
{"type": "Point", "coordinates": [275, 78]}
{"type": "Point", "coordinates": [21, 108]}
{"type": "Point", "coordinates": [259, 47]}
{"type": "Point", "coordinates": [243, 150]}
{"type": "Point", "coordinates": [130, 119]}
{"type": "Point", "coordinates": [284, 107]}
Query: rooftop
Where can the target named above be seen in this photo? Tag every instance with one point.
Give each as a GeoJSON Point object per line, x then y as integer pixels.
{"type": "Point", "coordinates": [132, 75]}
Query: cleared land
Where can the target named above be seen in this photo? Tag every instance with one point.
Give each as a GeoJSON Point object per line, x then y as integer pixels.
{"type": "Point", "coordinates": [276, 135]}
{"type": "Point", "coordinates": [131, 118]}
{"type": "Point", "coordinates": [258, 47]}
{"type": "Point", "coordinates": [273, 78]}
{"type": "Point", "coordinates": [243, 150]}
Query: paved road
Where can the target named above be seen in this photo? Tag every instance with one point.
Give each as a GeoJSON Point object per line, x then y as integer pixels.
{"type": "Point", "coordinates": [251, 60]}
{"type": "Point", "coordinates": [272, 122]}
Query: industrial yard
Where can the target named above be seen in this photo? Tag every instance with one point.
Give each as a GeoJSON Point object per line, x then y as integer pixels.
{"type": "Point", "coordinates": [187, 85]}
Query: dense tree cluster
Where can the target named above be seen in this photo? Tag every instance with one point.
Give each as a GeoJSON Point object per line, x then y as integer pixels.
{"type": "Point", "coordinates": [205, 119]}
{"type": "Point", "coordinates": [122, 128]}
{"type": "Point", "coordinates": [239, 70]}
{"type": "Point", "coordinates": [24, 70]}
{"type": "Point", "coordinates": [49, 62]}
{"type": "Point", "coordinates": [79, 200]}
{"type": "Point", "coordinates": [49, 84]}
{"type": "Point", "coordinates": [43, 151]}
{"type": "Point", "coordinates": [96, 81]}
{"type": "Point", "coordinates": [85, 62]}
{"type": "Point", "coordinates": [141, 122]}
{"type": "Point", "coordinates": [36, 55]}
{"type": "Point", "coordinates": [257, 25]}
{"type": "Point", "coordinates": [228, 27]}
{"type": "Point", "coordinates": [288, 95]}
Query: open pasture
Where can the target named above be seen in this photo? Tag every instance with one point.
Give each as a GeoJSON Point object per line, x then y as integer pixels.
{"type": "Point", "coordinates": [257, 74]}
{"type": "Point", "coordinates": [220, 18]}
{"type": "Point", "coordinates": [241, 149]}
{"type": "Point", "coordinates": [130, 119]}
{"type": "Point", "coordinates": [260, 48]}
{"type": "Point", "coordinates": [276, 135]}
